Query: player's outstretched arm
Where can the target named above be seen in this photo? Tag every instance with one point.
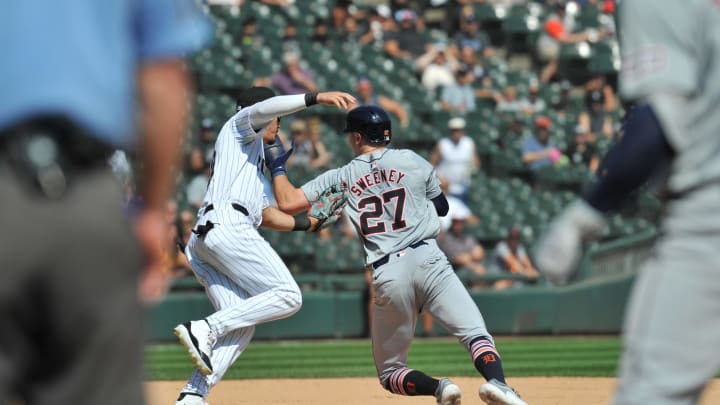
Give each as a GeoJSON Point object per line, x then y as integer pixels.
{"type": "Point", "coordinates": [267, 110]}
{"type": "Point", "coordinates": [273, 218]}
{"type": "Point", "coordinates": [628, 164]}
{"type": "Point", "coordinates": [324, 211]}
{"type": "Point", "coordinates": [339, 99]}
{"type": "Point", "coordinates": [289, 198]}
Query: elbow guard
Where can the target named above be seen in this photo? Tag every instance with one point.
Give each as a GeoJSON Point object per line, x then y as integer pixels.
{"type": "Point", "coordinates": [441, 205]}
{"type": "Point", "coordinates": [632, 161]}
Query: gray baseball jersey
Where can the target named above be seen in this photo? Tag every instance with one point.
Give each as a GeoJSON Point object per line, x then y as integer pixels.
{"type": "Point", "coordinates": [671, 47]}
{"type": "Point", "coordinates": [389, 194]}
{"type": "Point", "coordinates": [671, 60]}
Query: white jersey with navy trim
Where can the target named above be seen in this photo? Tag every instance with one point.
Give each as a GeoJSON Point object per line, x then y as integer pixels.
{"type": "Point", "coordinates": [245, 279]}
{"type": "Point", "coordinates": [239, 159]}
{"type": "Point", "coordinates": [237, 167]}
{"type": "Point", "coordinates": [389, 193]}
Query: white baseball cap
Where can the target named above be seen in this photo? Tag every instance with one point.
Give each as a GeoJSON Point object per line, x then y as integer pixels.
{"type": "Point", "coordinates": [456, 123]}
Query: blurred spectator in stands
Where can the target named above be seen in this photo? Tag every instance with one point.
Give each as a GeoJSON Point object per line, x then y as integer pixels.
{"type": "Point", "coordinates": [607, 19]}
{"type": "Point", "coordinates": [279, 3]}
{"type": "Point", "coordinates": [595, 119]}
{"type": "Point", "coordinates": [558, 30]}
{"type": "Point", "coordinates": [510, 103]}
{"type": "Point", "coordinates": [198, 172]}
{"type": "Point", "coordinates": [510, 256]}
{"type": "Point", "coordinates": [308, 151]}
{"type": "Point", "coordinates": [339, 13]}
{"type": "Point", "coordinates": [459, 97]}
{"type": "Point", "coordinates": [187, 219]}
{"type": "Point", "coordinates": [437, 67]}
{"type": "Point", "coordinates": [583, 151]}
{"type": "Point", "coordinates": [293, 79]}
{"type": "Point", "coordinates": [599, 83]}
{"type": "Point", "coordinates": [563, 106]}
{"type": "Point", "coordinates": [536, 104]}
{"type": "Point", "coordinates": [366, 96]}
{"type": "Point", "coordinates": [462, 249]}
{"type": "Point", "coordinates": [175, 258]}
{"type": "Point", "coordinates": [456, 159]}
{"type": "Point", "coordinates": [290, 38]}
{"type": "Point", "coordinates": [320, 32]}
{"type": "Point", "coordinates": [515, 130]}
{"type": "Point", "coordinates": [206, 139]}
{"type": "Point", "coordinates": [377, 23]}
{"type": "Point", "coordinates": [469, 60]}
{"type": "Point", "coordinates": [249, 35]}
{"type": "Point", "coordinates": [406, 42]}
{"type": "Point", "coordinates": [486, 91]}
{"type": "Point", "coordinates": [537, 151]}
{"type": "Point", "coordinates": [563, 101]}
{"type": "Point", "coordinates": [455, 207]}
{"type": "Point", "coordinates": [351, 31]}
{"type": "Point", "coordinates": [471, 36]}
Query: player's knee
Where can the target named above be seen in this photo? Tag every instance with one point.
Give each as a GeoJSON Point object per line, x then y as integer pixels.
{"type": "Point", "coordinates": [293, 300]}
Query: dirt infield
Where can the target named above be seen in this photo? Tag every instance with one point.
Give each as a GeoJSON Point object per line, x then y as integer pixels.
{"type": "Point", "coordinates": [367, 391]}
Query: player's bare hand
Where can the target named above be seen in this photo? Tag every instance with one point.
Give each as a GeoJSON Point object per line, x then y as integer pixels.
{"type": "Point", "coordinates": [152, 231]}
{"type": "Point", "coordinates": [337, 98]}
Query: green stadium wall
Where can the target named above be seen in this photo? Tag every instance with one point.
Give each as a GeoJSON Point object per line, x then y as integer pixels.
{"type": "Point", "coordinates": [593, 304]}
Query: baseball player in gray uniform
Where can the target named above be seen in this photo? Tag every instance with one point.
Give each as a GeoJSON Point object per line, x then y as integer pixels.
{"type": "Point", "coordinates": [671, 71]}
{"type": "Point", "coordinates": [394, 200]}
{"type": "Point", "coordinates": [244, 277]}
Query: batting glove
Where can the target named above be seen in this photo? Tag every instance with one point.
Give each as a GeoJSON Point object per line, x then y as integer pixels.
{"type": "Point", "coordinates": [276, 157]}
{"type": "Point", "coordinates": [560, 247]}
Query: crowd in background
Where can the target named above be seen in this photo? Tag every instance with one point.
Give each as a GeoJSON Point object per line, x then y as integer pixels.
{"type": "Point", "coordinates": [458, 72]}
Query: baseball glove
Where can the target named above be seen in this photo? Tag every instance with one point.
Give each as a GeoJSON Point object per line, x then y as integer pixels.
{"type": "Point", "coordinates": [328, 207]}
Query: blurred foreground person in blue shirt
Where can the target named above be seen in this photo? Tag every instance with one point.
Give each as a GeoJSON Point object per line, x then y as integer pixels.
{"type": "Point", "coordinates": [80, 79]}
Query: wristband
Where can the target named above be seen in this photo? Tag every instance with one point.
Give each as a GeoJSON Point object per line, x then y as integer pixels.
{"type": "Point", "coordinates": [310, 99]}
{"type": "Point", "coordinates": [302, 223]}
{"type": "Point", "coordinates": [278, 171]}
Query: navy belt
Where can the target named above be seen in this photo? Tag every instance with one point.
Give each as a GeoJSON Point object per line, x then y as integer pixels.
{"type": "Point", "coordinates": [202, 230]}
{"type": "Point", "coordinates": [386, 258]}
{"type": "Point", "coordinates": [236, 207]}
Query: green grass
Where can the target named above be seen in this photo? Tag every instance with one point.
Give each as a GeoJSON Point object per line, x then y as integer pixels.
{"type": "Point", "coordinates": [532, 356]}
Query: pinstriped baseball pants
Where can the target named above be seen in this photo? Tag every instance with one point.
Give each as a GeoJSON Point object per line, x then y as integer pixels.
{"type": "Point", "coordinates": [246, 282]}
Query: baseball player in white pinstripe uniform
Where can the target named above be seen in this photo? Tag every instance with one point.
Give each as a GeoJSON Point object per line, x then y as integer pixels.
{"type": "Point", "coordinates": [244, 277]}
{"type": "Point", "coordinates": [394, 200]}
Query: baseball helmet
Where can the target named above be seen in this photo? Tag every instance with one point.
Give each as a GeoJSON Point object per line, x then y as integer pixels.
{"type": "Point", "coordinates": [252, 96]}
{"type": "Point", "coordinates": [370, 121]}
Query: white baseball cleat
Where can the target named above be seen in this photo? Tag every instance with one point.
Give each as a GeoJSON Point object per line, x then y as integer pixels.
{"type": "Point", "coordinates": [199, 340]}
{"type": "Point", "coordinates": [447, 393]}
{"type": "Point", "coordinates": [496, 393]}
{"type": "Point", "coordinates": [189, 398]}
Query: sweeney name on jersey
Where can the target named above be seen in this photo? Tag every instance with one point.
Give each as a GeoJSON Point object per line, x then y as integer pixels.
{"type": "Point", "coordinates": [374, 178]}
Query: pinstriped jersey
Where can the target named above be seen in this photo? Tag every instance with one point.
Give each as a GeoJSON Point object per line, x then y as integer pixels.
{"type": "Point", "coordinates": [237, 168]}
{"type": "Point", "coordinates": [389, 193]}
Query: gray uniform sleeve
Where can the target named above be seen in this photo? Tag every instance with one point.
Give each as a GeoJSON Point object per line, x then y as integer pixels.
{"type": "Point", "coordinates": [662, 41]}
{"type": "Point", "coordinates": [316, 186]}
{"type": "Point", "coordinates": [432, 181]}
